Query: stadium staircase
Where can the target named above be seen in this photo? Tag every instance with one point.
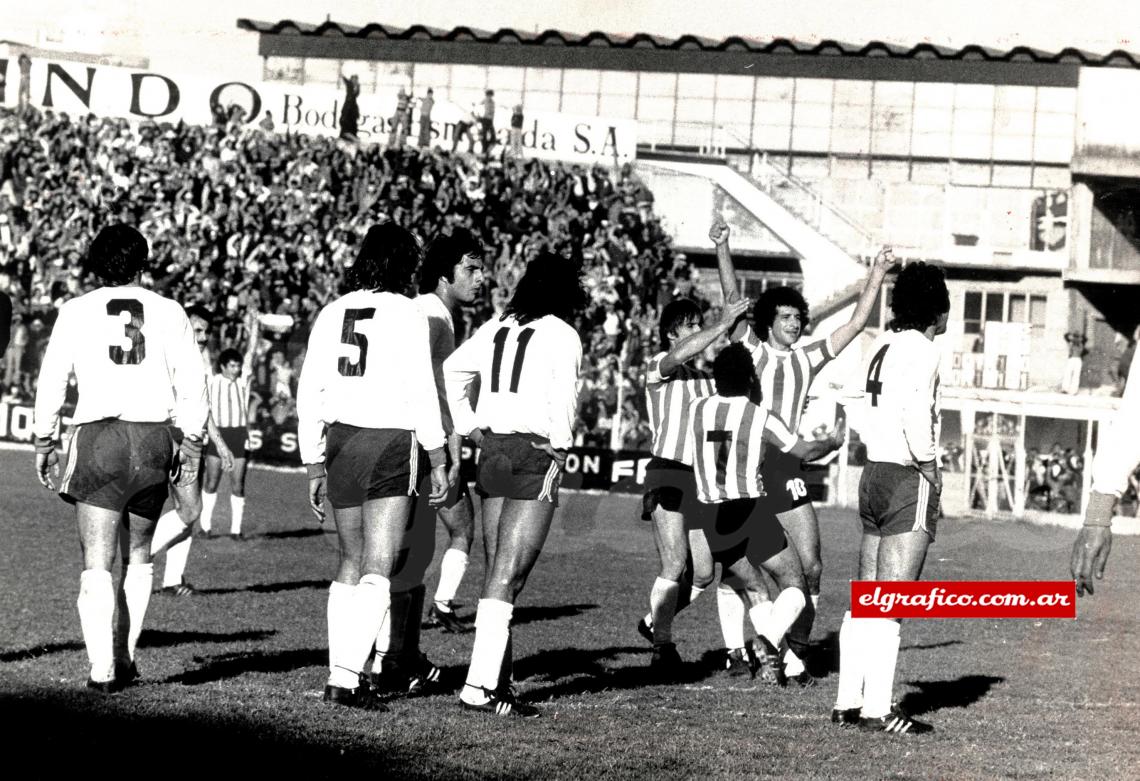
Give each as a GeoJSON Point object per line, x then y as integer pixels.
{"type": "Point", "coordinates": [834, 250]}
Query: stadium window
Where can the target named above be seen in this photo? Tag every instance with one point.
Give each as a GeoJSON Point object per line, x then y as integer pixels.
{"type": "Point", "coordinates": [991, 307]}
{"type": "Point", "coordinates": [972, 313]}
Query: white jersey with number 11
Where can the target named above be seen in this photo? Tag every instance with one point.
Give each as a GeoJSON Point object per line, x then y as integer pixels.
{"type": "Point", "coordinates": [528, 379]}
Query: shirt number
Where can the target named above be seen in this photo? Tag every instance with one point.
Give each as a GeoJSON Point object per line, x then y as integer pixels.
{"type": "Point", "coordinates": [874, 385]}
{"type": "Point", "coordinates": [796, 487]}
{"type": "Point", "coordinates": [132, 331]}
{"type": "Point", "coordinates": [348, 335]}
{"type": "Point", "coordinates": [520, 352]}
{"type": "Point", "coordinates": [723, 440]}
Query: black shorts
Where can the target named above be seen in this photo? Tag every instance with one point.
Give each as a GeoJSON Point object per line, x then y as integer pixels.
{"type": "Point", "coordinates": [120, 465]}
{"type": "Point", "coordinates": [895, 499]}
{"type": "Point", "coordinates": [671, 485]}
{"type": "Point", "coordinates": [743, 528]}
{"type": "Point", "coordinates": [371, 463]}
{"type": "Point", "coordinates": [236, 439]}
{"type": "Point", "coordinates": [785, 481]}
{"type": "Point", "coordinates": [509, 467]}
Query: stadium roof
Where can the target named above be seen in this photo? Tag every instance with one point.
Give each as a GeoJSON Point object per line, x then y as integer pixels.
{"type": "Point", "coordinates": [690, 43]}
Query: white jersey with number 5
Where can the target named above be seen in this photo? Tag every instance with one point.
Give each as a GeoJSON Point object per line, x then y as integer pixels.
{"type": "Point", "coordinates": [901, 399]}
{"type": "Point", "coordinates": [528, 379]}
{"type": "Point", "coordinates": [134, 358]}
{"type": "Point", "coordinates": [368, 364]}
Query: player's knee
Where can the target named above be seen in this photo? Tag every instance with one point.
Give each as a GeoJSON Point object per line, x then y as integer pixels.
{"type": "Point", "coordinates": [813, 570]}
{"type": "Point", "coordinates": [702, 578]}
{"type": "Point", "coordinates": [673, 567]}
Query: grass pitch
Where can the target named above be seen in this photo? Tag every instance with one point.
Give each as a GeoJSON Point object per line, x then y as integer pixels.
{"type": "Point", "coordinates": [232, 678]}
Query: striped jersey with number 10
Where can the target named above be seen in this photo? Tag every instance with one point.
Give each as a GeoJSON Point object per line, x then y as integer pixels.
{"type": "Point", "coordinates": [669, 401]}
{"type": "Point", "coordinates": [728, 435]}
{"type": "Point", "coordinates": [785, 375]}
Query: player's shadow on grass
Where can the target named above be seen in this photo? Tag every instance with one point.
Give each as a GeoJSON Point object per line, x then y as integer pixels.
{"type": "Point", "coordinates": [533, 613]}
{"type": "Point", "coordinates": [35, 652]}
{"type": "Point", "coordinates": [290, 534]}
{"type": "Point", "coordinates": [268, 588]}
{"type": "Point", "coordinates": [158, 638]}
{"type": "Point", "coordinates": [936, 695]}
{"type": "Point", "coordinates": [225, 666]}
{"type": "Point", "coordinates": [575, 671]}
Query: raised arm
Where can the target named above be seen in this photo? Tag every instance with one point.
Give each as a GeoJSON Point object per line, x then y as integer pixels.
{"type": "Point", "coordinates": [253, 333]}
{"type": "Point", "coordinates": [782, 437]}
{"type": "Point", "coordinates": [844, 334]}
{"type": "Point", "coordinates": [718, 233]}
{"type": "Point", "coordinates": [695, 344]}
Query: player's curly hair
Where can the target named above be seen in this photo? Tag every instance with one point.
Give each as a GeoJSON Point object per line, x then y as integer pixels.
{"type": "Point", "coordinates": [227, 355]}
{"type": "Point", "coordinates": [733, 372]}
{"type": "Point", "coordinates": [919, 297]}
{"type": "Point", "coordinates": [387, 261]}
{"type": "Point", "coordinates": [117, 254]}
{"type": "Point", "coordinates": [551, 285]}
{"type": "Point", "coordinates": [444, 254]}
{"type": "Point", "coordinates": [766, 306]}
{"type": "Point", "coordinates": [675, 314]}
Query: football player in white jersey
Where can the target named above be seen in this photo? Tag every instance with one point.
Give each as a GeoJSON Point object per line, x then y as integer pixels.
{"type": "Point", "coordinates": [1117, 455]}
{"type": "Point", "coordinates": [367, 408]}
{"type": "Point", "coordinates": [670, 500]}
{"type": "Point", "coordinates": [785, 372]}
{"type": "Point", "coordinates": [731, 432]}
{"type": "Point", "coordinates": [527, 364]}
{"type": "Point", "coordinates": [451, 275]}
{"type": "Point", "coordinates": [133, 355]}
{"type": "Point", "coordinates": [899, 491]}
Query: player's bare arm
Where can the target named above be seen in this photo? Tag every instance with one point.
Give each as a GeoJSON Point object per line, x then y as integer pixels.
{"type": "Point", "coordinates": [1093, 543]}
{"type": "Point", "coordinates": [220, 445]}
{"type": "Point", "coordinates": [719, 233]}
{"type": "Point", "coordinates": [884, 261]}
{"type": "Point", "coordinates": [694, 344]}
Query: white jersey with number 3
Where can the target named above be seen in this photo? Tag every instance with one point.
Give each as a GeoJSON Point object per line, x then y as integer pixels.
{"type": "Point", "coordinates": [134, 358]}
{"type": "Point", "coordinates": [901, 398]}
{"type": "Point", "coordinates": [528, 379]}
{"type": "Point", "coordinates": [368, 364]}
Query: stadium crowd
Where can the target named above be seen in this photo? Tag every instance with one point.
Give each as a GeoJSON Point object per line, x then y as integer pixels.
{"type": "Point", "coordinates": [239, 218]}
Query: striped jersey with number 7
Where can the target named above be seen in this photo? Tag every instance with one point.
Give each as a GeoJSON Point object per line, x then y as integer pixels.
{"type": "Point", "coordinates": [729, 434]}
{"type": "Point", "coordinates": [528, 379]}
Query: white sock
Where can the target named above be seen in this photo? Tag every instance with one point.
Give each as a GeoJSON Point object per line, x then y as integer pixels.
{"type": "Point", "coordinates": [648, 619]}
{"type": "Point", "coordinates": [785, 609]}
{"type": "Point", "coordinates": [879, 677]}
{"type": "Point", "coordinates": [167, 531]}
{"type": "Point", "coordinates": [662, 607]}
{"type": "Point", "coordinates": [492, 629]}
{"type": "Point", "coordinates": [175, 569]}
{"type": "Point", "coordinates": [815, 601]}
{"type": "Point", "coordinates": [208, 502]}
{"type": "Point", "coordinates": [852, 659]}
{"type": "Point", "coordinates": [137, 584]}
{"type": "Point", "coordinates": [793, 665]}
{"type": "Point", "coordinates": [452, 568]}
{"type": "Point", "coordinates": [237, 510]}
{"type": "Point", "coordinates": [731, 609]}
{"type": "Point", "coordinates": [694, 593]}
{"type": "Point", "coordinates": [96, 605]}
{"type": "Point", "coordinates": [340, 629]}
{"type": "Point", "coordinates": [370, 602]}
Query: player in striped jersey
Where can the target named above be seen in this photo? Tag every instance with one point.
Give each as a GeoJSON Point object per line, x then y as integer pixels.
{"type": "Point", "coordinates": [366, 407]}
{"type": "Point", "coordinates": [133, 356]}
{"type": "Point", "coordinates": [785, 373]}
{"type": "Point", "coordinates": [174, 532]}
{"type": "Point", "coordinates": [670, 501]}
{"type": "Point", "coordinates": [730, 431]}
{"type": "Point", "coordinates": [899, 491]}
{"type": "Point", "coordinates": [230, 398]}
{"type": "Point", "coordinates": [527, 364]}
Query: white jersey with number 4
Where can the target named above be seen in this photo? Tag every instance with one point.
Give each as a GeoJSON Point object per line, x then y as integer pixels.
{"type": "Point", "coordinates": [528, 379]}
{"type": "Point", "coordinates": [901, 399]}
{"type": "Point", "coordinates": [134, 358]}
{"type": "Point", "coordinates": [368, 365]}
